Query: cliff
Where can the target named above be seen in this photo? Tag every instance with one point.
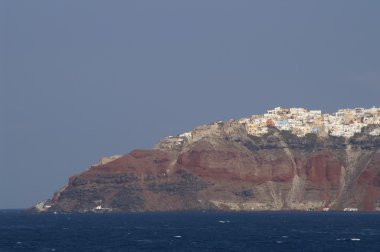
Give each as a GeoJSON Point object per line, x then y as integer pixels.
{"type": "Point", "coordinates": [221, 167]}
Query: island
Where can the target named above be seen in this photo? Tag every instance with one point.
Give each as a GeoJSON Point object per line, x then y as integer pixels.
{"type": "Point", "coordinates": [285, 159]}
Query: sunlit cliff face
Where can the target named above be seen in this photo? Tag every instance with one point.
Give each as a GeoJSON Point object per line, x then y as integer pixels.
{"type": "Point", "coordinates": [222, 166]}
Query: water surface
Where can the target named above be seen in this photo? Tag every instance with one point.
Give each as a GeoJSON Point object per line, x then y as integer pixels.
{"type": "Point", "coordinates": [210, 231]}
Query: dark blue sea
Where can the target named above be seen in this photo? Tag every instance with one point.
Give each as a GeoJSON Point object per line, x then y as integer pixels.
{"type": "Point", "coordinates": [209, 231]}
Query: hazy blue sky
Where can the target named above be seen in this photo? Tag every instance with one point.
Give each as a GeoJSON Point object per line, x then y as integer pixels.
{"type": "Point", "coordinates": [84, 79]}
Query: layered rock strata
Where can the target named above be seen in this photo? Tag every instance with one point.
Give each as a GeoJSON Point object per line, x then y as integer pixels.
{"type": "Point", "coordinates": [221, 167]}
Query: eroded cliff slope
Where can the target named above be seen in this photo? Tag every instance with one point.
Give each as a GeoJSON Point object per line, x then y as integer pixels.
{"type": "Point", "coordinates": [220, 167]}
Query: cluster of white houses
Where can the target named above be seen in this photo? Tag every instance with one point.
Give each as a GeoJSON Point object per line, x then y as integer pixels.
{"type": "Point", "coordinates": [300, 121]}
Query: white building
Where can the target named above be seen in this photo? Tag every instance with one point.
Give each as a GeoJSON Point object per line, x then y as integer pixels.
{"type": "Point", "coordinates": [345, 122]}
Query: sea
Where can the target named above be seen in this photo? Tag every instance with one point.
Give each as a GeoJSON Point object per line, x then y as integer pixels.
{"type": "Point", "coordinates": [190, 231]}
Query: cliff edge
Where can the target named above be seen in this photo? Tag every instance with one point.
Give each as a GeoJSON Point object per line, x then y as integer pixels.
{"type": "Point", "coordinates": [220, 166]}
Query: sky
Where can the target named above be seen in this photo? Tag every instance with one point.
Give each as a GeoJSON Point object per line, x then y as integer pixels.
{"type": "Point", "coordinates": [80, 80]}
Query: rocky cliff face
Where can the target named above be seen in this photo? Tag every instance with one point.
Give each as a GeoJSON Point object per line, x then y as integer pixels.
{"type": "Point", "coordinates": [220, 167]}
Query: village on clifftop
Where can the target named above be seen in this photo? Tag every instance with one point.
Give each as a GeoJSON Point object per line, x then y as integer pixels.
{"type": "Point", "coordinates": [300, 121]}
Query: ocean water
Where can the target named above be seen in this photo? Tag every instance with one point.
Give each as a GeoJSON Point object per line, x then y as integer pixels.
{"type": "Point", "coordinates": [209, 231]}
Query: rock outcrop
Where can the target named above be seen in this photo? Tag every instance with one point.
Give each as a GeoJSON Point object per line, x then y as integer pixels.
{"type": "Point", "coordinates": [220, 167]}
